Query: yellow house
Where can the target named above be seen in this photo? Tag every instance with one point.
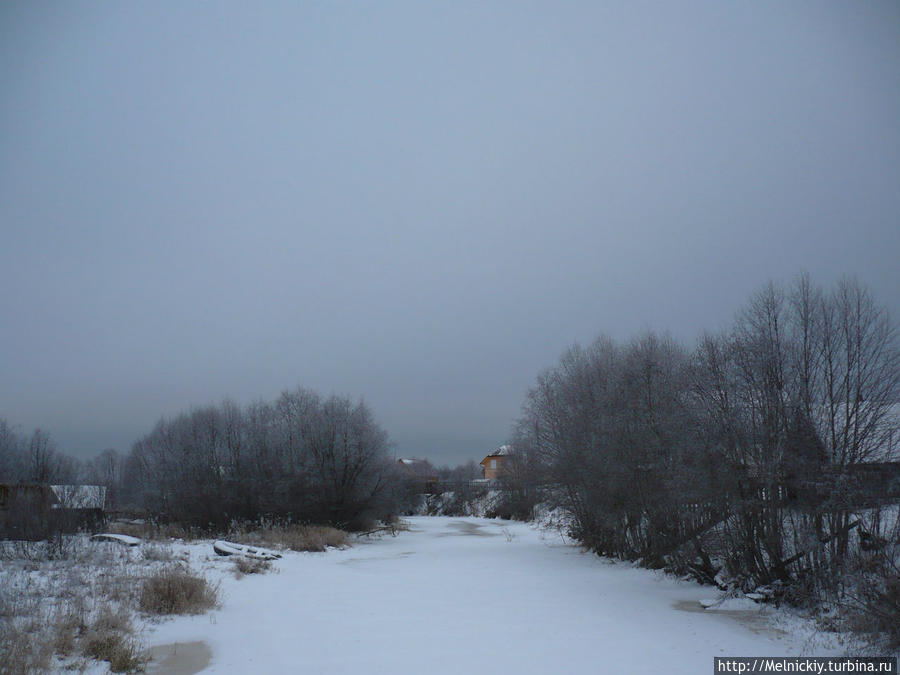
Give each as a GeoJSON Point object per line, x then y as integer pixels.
{"type": "Point", "coordinates": [495, 463]}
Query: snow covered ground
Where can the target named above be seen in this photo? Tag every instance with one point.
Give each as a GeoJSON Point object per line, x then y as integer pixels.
{"type": "Point", "coordinates": [469, 595]}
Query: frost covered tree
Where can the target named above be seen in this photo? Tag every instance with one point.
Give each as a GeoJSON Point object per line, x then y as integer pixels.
{"type": "Point", "coordinates": [304, 458]}
{"type": "Point", "coordinates": [754, 435]}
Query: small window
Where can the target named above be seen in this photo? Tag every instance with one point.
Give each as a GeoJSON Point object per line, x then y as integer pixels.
{"type": "Point", "coordinates": [493, 463]}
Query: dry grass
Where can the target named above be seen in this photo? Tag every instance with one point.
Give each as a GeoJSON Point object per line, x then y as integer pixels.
{"type": "Point", "coordinates": [151, 531]}
{"type": "Point", "coordinates": [122, 651]}
{"type": "Point", "coordinates": [314, 538]}
{"type": "Point", "coordinates": [157, 552]}
{"type": "Point", "coordinates": [23, 651]}
{"type": "Point", "coordinates": [111, 638]}
{"type": "Point", "coordinates": [67, 603]}
{"type": "Point", "coordinates": [50, 618]}
{"type": "Point", "coordinates": [66, 630]}
{"type": "Point", "coordinates": [174, 590]}
{"type": "Point", "coordinates": [244, 566]}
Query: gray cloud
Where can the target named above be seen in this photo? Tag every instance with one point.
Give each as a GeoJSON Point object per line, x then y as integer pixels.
{"type": "Point", "coordinates": [418, 204]}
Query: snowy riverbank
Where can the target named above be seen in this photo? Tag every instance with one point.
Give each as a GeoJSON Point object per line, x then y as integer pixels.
{"type": "Point", "coordinates": [471, 595]}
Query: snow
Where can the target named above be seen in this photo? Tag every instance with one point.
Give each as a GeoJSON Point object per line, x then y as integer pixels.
{"type": "Point", "coordinates": [117, 538]}
{"type": "Point", "coordinates": [745, 604]}
{"type": "Point", "coordinates": [227, 548]}
{"type": "Point", "coordinates": [502, 451]}
{"type": "Point", "coordinates": [471, 595]}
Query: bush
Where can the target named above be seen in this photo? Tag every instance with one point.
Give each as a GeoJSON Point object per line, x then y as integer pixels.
{"type": "Point", "coordinates": [65, 633]}
{"type": "Point", "coordinates": [302, 538]}
{"type": "Point", "coordinates": [878, 607]}
{"type": "Point", "coordinates": [120, 650]}
{"type": "Point", "coordinates": [22, 651]}
{"type": "Point", "coordinates": [80, 608]}
{"type": "Point", "coordinates": [111, 638]}
{"type": "Point", "coordinates": [154, 531]}
{"type": "Point", "coordinates": [157, 553]}
{"type": "Point", "coordinates": [885, 607]}
{"type": "Point", "coordinates": [337, 470]}
{"type": "Point", "coordinates": [244, 566]}
{"type": "Point", "coordinates": [175, 590]}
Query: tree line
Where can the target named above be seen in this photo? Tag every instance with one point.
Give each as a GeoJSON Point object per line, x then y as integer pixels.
{"type": "Point", "coordinates": [742, 456]}
{"type": "Point", "coordinates": [301, 458]}
{"type": "Point", "coordinates": [743, 449]}
{"type": "Point", "coordinates": [34, 459]}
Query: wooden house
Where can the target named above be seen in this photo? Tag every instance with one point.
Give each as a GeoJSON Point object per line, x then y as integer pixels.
{"type": "Point", "coordinates": [495, 464]}
{"type": "Point", "coordinates": [33, 511]}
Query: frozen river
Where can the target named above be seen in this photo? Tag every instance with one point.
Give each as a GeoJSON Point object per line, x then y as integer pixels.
{"type": "Point", "coordinates": [467, 595]}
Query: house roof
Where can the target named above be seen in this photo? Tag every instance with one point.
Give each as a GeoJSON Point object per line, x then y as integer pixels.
{"type": "Point", "coordinates": [415, 462]}
{"type": "Point", "coordinates": [502, 451]}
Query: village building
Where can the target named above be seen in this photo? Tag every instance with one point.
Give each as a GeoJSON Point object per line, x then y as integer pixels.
{"type": "Point", "coordinates": [497, 463]}
{"type": "Point", "coordinates": [421, 473]}
{"type": "Point", "coordinates": [35, 511]}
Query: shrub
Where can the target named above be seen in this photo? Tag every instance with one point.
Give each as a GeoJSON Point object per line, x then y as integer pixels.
{"type": "Point", "coordinates": [65, 607]}
{"type": "Point", "coordinates": [111, 638]}
{"type": "Point", "coordinates": [22, 651]}
{"type": "Point", "coordinates": [153, 531]}
{"type": "Point", "coordinates": [121, 650]}
{"type": "Point", "coordinates": [157, 553]}
{"type": "Point", "coordinates": [315, 538]}
{"type": "Point", "coordinates": [175, 590]}
{"type": "Point", "coordinates": [65, 632]}
{"type": "Point", "coordinates": [244, 566]}
{"type": "Point", "coordinates": [880, 609]}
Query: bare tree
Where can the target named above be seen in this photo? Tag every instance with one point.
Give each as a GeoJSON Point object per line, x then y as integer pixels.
{"type": "Point", "coordinates": [303, 458]}
{"type": "Point", "coordinates": [106, 469]}
{"type": "Point", "coordinates": [45, 464]}
{"type": "Point", "coordinates": [13, 457]}
{"type": "Point", "coordinates": [756, 435]}
{"type": "Point", "coordinates": [861, 376]}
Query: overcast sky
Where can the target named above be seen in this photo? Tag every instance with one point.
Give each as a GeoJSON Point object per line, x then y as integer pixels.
{"type": "Point", "coordinates": [421, 203]}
